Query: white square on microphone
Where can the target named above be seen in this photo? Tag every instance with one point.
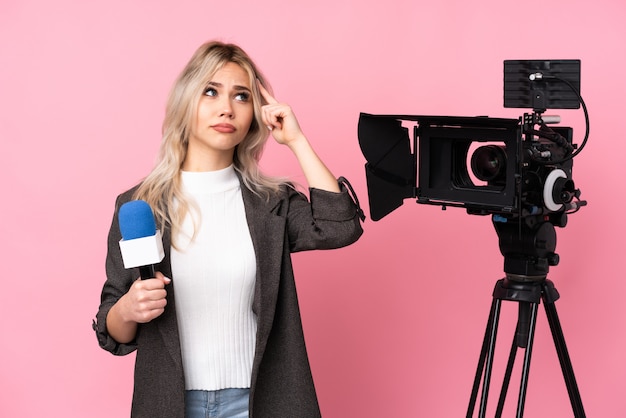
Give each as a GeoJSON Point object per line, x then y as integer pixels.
{"type": "Point", "coordinates": [142, 251]}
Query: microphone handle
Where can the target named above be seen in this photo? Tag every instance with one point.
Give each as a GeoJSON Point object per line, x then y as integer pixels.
{"type": "Point", "coordinates": [147, 272]}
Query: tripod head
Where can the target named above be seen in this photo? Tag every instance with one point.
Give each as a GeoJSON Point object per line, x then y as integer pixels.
{"type": "Point", "coordinates": [528, 246]}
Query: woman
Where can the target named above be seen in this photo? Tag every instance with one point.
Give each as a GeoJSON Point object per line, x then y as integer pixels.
{"type": "Point", "coordinates": [219, 325]}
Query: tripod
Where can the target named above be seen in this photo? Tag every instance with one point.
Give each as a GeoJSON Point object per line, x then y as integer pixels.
{"type": "Point", "coordinates": [528, 251]}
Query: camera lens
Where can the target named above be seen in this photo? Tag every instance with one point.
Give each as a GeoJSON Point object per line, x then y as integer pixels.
{"type": "Point", "coordinates": [563, 191]}
{"type": "Point", "coordinates": [489, 163]}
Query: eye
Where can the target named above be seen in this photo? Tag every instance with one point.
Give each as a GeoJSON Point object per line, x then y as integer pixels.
{"type": "Point", "coordinates": [210, 92]}
{"type": "Point", "coordinates": [242, 97]}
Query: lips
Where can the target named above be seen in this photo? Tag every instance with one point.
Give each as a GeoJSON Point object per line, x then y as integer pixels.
{"type": "Point", "coordinates": [225, 128]}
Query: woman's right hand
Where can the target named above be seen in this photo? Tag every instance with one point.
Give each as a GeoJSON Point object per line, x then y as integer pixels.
{"type": "Point", "coordinates": [144, 301]}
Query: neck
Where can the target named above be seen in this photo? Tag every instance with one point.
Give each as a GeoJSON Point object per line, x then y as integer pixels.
{"type": "Point", "coordinates": [197, 160]}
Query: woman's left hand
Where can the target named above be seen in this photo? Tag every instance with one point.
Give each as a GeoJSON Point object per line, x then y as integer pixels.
{"type": "Point", "coordinates": [280, 119]}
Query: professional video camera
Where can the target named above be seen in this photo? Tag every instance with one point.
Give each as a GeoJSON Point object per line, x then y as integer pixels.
{"type": "Point", "coordinates": [519, 171]}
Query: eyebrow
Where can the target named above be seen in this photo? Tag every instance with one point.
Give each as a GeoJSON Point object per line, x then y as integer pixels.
{"type": "Point", "coordinates": [236, 87]}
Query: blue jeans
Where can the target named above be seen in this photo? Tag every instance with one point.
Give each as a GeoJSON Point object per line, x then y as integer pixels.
{"type": "Point", "coordinates": [225, 403]}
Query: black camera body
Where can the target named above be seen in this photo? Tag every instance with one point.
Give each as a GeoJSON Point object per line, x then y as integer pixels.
{"type": "Point", "coordinates": [513, 168]}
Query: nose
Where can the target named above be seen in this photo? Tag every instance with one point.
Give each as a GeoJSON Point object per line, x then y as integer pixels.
{"type": "Point", "coordinates": [227, 108]}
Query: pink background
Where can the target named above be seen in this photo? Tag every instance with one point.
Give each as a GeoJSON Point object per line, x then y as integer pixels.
{"type": "Point", "coordinates": [394, 323]}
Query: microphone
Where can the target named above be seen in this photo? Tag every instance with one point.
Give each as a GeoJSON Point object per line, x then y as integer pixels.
{"type": "Point", "coordinates": [141, 244]}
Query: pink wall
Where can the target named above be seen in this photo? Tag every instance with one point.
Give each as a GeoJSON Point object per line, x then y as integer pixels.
{"type": "Point", "coordinates": [394, 323]}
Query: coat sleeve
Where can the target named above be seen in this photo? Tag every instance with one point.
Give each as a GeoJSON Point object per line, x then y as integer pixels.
{"type": "Point", "coordinates": [329, 220]}
{"type": "Point", "coordinates": [119, 280]}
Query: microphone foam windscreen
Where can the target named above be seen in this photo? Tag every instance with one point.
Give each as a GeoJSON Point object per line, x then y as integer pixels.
{"type": "Point", "coordinates": [136, 220]}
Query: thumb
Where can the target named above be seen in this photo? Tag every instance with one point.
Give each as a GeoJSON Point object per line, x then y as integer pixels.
{"type": "Point", "coordinates": [161, 276]}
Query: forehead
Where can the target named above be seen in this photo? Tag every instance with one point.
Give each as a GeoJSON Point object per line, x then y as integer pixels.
{"type": "Point", "coordinates": [231, 74]}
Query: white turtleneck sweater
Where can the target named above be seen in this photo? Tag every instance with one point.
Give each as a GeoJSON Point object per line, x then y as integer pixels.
{"type": "Point", "coordinates": [214, 277]}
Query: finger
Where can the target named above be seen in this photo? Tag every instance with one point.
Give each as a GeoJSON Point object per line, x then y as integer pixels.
{"type": "Point", "coordinates": [151, 304]}
{"type": "Point", "coordinates": [273, 117]}
{"type": "Point", "coordinates": [156, 295]}
{"type": "Point", "coordinates": [147, 315]}
{"type": "Point", "coordinates": [149, 284]}
{"type": "Point", "coordinates": [266, 94]}
{"type": "Point", "coordinates": [270, 116]}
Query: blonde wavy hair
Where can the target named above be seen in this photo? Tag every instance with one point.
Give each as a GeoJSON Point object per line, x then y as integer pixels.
{"type": "Point", "coordinates": [162, 187]}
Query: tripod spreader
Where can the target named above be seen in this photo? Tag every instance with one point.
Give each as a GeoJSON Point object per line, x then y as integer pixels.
{"type": "Point", "coordinates": [526, 293]}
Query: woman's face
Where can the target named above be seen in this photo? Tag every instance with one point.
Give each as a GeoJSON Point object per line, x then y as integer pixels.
{"type": "Point", "coordinates": [224, 116]}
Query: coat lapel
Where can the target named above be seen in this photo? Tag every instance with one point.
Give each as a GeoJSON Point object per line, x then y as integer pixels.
{"type": "Point", "coordinates": [168, 327]}
{"type": "Point", "coordinates": [267, 228]}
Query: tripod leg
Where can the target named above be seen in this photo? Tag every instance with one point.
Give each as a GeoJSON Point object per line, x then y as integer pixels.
{"type": "Point", "coordinates": [507, 376]}
{"type": "Point", "coordinates": [527, 355]}
{"type": "Point", "coordinates": [481, 365]}
{"type": "Point", "coordinates": [520, 340]}
{"type": "Point", "coordinates": [561, 349]}
{"type": "Point", "coordinates": [525, 329]}
{"type": "Point", "coordinates": [481, 362]}
{"type": "Point", "coordinates": [485, 362]}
